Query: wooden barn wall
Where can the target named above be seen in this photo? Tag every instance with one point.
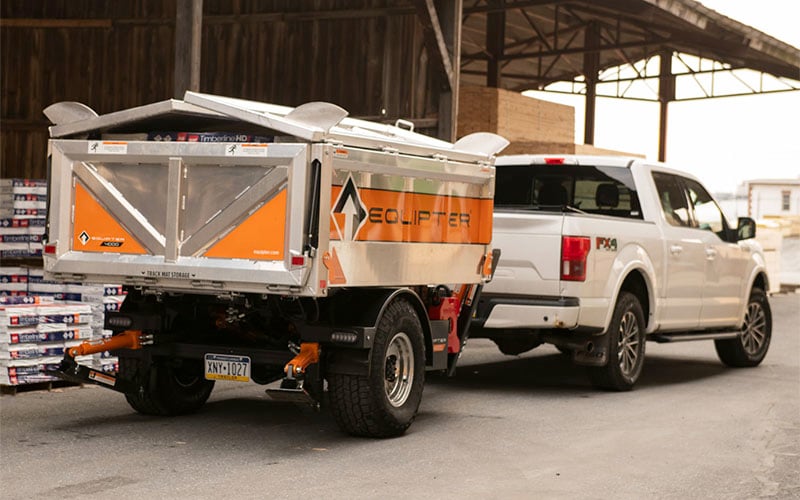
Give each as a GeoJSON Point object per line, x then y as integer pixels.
{"type": "Point", "coordinates": [113, 55]}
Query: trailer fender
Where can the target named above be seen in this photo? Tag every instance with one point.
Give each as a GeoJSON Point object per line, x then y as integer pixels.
{"type": "Point", "coordinates": [360, 310]}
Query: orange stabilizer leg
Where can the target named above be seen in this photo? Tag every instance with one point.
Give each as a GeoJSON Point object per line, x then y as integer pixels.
{"type": "Point", "coordinates": [308, 355]}
{"type": "Point", "coordinates": [129, 339]}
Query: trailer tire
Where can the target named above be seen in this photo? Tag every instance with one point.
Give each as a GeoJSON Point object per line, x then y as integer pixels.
{"type": "Point", "coordinates": [166, 389]}
{"type": "Point", "coordinates": [626, 341]}
{"type": "Point", "coordinates": [750, 348]}
{"type": "Point", "coordinates": [384, 403]}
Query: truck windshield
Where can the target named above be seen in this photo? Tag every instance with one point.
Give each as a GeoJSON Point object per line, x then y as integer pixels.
{"type": "Point", "coordinates": [591, 189]}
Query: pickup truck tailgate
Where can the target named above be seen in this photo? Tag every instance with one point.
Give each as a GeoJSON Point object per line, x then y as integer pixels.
{"type": "Point", "coordinates": [531, 253]}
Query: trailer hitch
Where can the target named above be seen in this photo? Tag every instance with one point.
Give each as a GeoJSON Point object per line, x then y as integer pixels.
{"type": "Point", "coordinates": [71, 371]}
{"type": "Point", "coordinates": [291, 388]}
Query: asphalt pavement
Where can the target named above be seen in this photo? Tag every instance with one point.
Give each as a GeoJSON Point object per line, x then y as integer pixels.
{"type": "Point", "coordinates": [526, 426]}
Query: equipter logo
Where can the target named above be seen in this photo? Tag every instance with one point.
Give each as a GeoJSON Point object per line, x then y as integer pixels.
{"type": "Point", "coordinates": [354, 210]}
{"type": "Point", "coordinates": [84, 237]}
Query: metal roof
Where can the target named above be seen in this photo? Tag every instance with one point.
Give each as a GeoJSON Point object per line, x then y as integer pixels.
{"type": "Point", "coordinates": [547, 41]}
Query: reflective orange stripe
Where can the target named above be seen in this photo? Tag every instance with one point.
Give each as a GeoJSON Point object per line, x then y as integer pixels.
{"type": "Point", "coordinates": [419, 218]}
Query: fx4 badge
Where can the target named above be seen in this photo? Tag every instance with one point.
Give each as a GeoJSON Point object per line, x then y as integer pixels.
{"type": "Point", "coordinates": [607, 244]}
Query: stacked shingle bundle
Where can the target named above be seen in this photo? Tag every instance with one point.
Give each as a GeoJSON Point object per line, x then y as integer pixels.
{"type": "Point", "coordinates": [34, 333]}
{"type": "Point", "coordinates": [23, 205]}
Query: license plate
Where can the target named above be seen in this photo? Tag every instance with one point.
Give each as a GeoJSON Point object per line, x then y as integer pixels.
{"type": "Point", "coordinates": [227, 367]}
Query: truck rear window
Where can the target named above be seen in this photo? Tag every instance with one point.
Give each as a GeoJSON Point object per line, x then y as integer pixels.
{"type": "Point", "coordinates": [579, 188]}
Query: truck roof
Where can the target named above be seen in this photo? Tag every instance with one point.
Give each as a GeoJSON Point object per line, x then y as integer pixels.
{"type": "Point", "coordinates": [611, 161]}
{"type": "Point", "coordinates": [630, 162]}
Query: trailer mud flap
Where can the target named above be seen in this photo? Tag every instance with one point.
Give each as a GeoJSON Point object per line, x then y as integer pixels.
{"type": "Point", "coordinates": [347, 361]}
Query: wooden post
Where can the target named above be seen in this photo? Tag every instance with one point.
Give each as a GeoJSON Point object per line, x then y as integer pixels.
{"type": "Point", "coordinates": [450, 14]}
{"type": "Point", "coordinates": [591, 63]}
{"type": "Point", "coordinates": [666, 93]}
{"type": "Point", "coordinates": [495, 42]}
{"type": "Point", "coordinates": [188, 30]}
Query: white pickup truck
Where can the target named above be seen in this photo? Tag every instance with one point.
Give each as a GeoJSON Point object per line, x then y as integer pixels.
{"type": "Point", "coordinates": [600, 254]}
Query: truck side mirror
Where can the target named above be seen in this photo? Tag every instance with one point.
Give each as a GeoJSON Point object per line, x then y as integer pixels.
{"type": "Point", "coordinates": [746, 229]}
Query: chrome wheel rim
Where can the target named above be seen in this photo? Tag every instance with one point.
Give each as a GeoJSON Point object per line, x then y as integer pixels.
{"type": "Point", "coordinates": [754, 330]}
{"type": "Point", "coordinates": [628, 344]}
{"type": "Point", "coordinates": [398, 369]}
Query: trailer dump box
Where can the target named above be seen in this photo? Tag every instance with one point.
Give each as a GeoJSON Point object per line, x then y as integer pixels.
{"type": "Point", "coordinates": [328, 202]}
{"type": "Point", "coordinates": [247, 233]}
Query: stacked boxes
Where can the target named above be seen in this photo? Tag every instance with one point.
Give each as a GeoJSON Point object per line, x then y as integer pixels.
{"type": "Point", "coordinates": [23, 204]}
{"type": "Point", "coordinates": [34, 334]}
{"type": "Point", "coordinates": [39, 319]}
{"type": "Point", "coordinates": [22, 287]}
{"type": "Point", "coordinates": [13, 281]}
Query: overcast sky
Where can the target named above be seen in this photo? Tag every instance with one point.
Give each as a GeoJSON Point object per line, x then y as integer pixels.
{"type": "Point", "coordinates": [724, 141]}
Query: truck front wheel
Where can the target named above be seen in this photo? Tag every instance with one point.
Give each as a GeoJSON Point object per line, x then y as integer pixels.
{"type": "Point", "coordinates": [166, 389]}
{"type": "Point", "coordinates": [751, 346]}
{"type": "Point", "coordinates": [626, 347]}
{"type": "Point", "coordinates": [384, 403]}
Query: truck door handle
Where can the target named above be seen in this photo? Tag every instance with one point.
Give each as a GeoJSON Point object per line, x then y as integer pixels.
{"type": "Point", "coordinates": [711, 254]}
{"type": "Point", "coordinates": [675, 249]}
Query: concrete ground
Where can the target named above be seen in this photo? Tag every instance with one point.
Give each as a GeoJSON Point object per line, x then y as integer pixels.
{"type": "Point", "coordinates": [505, 427]}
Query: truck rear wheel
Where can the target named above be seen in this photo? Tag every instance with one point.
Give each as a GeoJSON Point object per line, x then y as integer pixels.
{"type": "Point", "coordinates": [166, 389]}
{"type": "Point", "coordinates": [751, 346]}
{"type": "Point", "coordinates": [384, 403]}
{"type": "Point", "coordinates": [626, 347]}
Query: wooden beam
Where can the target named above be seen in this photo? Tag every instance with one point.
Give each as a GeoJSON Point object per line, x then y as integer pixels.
{"type": "Point", "coordinates": [434, 40]}
{"type": "Point", "coordinates": [55, 23]}
{"type": "Point", "coordinates": [188, 30]}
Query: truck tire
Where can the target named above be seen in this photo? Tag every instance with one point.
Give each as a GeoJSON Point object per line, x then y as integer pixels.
{"type": "Point", "coordinates": [626, 347]}
{"type": "Point", "coordinates": [384, 403]}
{"type": "Point", "coordinates": [175, 390]}
{"type": "Point", "coordinates": [751, 346]}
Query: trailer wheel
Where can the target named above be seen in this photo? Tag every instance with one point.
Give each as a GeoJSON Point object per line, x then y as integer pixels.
{"type": "Point", "coordinates": [166, 389]}
{"type": "Point", "coordinates": [626, 347]}
{"type": "Point", "coordinates": [751, 346]}
{"type": "Point", "coordinates": [384, 403]}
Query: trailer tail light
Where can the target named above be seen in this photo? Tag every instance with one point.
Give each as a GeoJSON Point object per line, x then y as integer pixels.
{"type": "Point", "coordinates": [298, 260]}
{"type": "Point", "coordinates": [50, 249]}
{"type": "Point", "coordinates": [574, 250]}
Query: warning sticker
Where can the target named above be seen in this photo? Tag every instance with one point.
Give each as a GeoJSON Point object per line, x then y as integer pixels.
{"type": "Point", "coordinates": [108, 147]}
{"type": "Point", "coordinates": [246, 149]}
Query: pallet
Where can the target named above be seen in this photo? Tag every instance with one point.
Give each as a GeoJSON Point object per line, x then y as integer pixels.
{"type": "Point", "coordinates": [12, 390]}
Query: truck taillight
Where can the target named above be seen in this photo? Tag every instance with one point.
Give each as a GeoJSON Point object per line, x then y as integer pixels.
{"type": "Point", "coordinates": [574, 250]}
